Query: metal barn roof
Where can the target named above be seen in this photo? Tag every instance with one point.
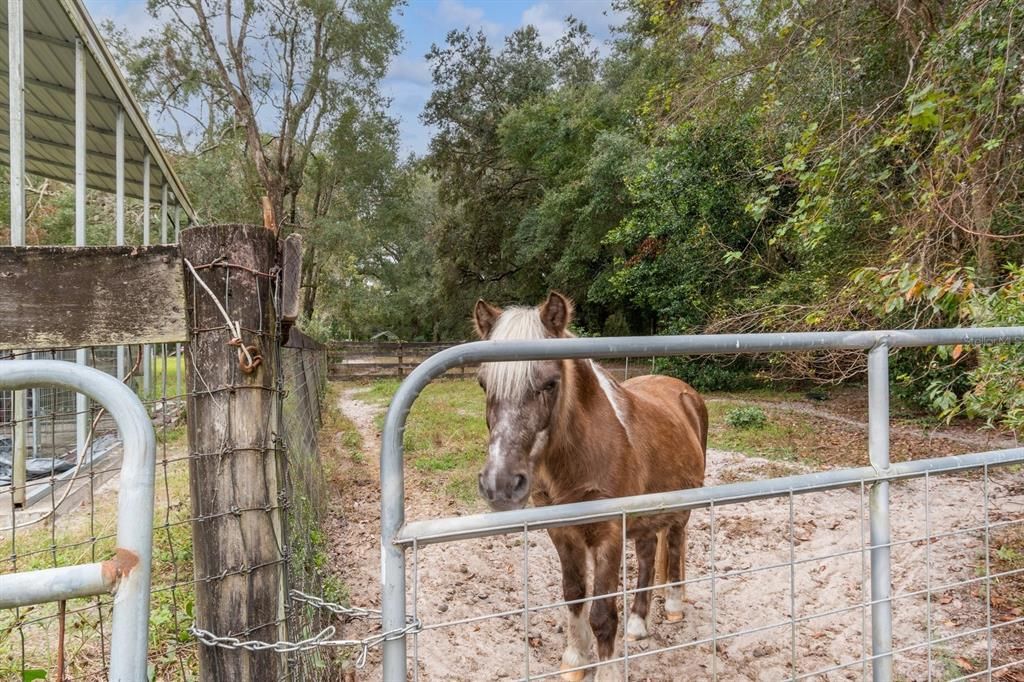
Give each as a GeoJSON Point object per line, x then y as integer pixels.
{"type": "Point", "coordinates": [51, 27]}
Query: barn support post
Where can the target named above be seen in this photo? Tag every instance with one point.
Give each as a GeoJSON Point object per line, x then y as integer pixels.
{"type": "Point", "coordinates": [163, 214]}
{"type": "Point", "coordinates": [163, 240]}
{"type": "Point", "coordinates": [16, 98]}
{"type": "Point", "coordinates": [235, 479]}
{"type": "Point", "coordinates": [881, 559]}
{"type": "Point", "coordinates": [119, 211]}
{"type": "Point", "coordinates": [147, 367]}
{"type": "Point", "coordinates": [179, 350]}
{"type": "Point", "coordinates": [81, 116]}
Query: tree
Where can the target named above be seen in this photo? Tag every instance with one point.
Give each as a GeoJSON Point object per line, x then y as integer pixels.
{"type": "Point", "coordinates": [278, 71]}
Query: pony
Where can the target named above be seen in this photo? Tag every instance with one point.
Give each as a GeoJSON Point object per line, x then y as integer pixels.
{"type": "Point", "coordinates": [562, 431]}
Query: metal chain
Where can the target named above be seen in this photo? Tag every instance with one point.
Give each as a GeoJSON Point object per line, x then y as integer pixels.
{"type": "Point", "coordinates": [321, 639]}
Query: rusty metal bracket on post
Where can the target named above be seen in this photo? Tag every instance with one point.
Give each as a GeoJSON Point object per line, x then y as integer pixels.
{"type": "Point", "coordinates": [127, 574]}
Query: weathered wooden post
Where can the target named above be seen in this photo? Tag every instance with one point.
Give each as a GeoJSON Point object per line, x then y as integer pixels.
{"type": "Point", "coordinates": [234, 469]}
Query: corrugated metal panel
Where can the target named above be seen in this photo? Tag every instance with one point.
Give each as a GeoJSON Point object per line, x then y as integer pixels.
{"type": "Point", "coordinates": [51, 29]}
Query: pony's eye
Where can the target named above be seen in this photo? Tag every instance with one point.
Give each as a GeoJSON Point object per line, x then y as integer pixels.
{"type": "Point", "coordinates": [549, 386]}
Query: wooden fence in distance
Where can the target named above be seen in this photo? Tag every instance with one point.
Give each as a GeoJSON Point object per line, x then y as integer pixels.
{"type": "Point", "coordinates": [369, 360]}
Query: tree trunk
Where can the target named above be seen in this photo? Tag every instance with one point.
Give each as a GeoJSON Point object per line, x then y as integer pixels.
{"type": "Point", "coordinates": [982, 208]}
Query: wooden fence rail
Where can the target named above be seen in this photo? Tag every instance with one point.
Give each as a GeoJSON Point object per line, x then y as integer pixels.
{"type": "Point", "coordinates": [369, 360]}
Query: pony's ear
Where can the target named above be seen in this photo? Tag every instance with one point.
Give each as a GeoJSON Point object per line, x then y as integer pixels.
{"type": "Point", "coordinates": [556, 313]}
{"type": "Point", "coordinates": [484, 317]}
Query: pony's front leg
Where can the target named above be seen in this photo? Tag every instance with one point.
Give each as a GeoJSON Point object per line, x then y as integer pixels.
{"type": "Point", "coordinates": [572, 554]}
{"type": "Point", "coordinates": [604, 616]}
{"type": "Point", "coordinates": [636, 626]}
{"type": "Point", "coordinates": [676, 570]}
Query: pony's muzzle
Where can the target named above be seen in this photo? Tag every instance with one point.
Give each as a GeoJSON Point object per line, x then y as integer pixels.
{"type": "Point", "coordinates": [503, 490]}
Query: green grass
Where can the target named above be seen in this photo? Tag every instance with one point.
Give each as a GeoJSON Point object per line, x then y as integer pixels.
{"type": "Point", "coordinates": [446, 435]}
{"type": "Point", "coordinates": [783, 436]}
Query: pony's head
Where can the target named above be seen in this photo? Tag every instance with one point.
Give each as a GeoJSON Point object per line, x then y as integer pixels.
{"type": "Point", "coordinates": [521, 398]}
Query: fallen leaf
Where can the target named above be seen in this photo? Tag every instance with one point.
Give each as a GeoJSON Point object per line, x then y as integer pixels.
{"type": "Point", "coordinates": [964, 664]}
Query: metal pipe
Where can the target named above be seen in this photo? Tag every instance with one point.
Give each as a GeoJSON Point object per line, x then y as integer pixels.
{"type": "Point", "coordinates": [878, 513]}
{"type": "Point", "coordinates": [145, 200]}
{"type": "Point", "coordinates": [710, 344]}
{"type": "Point", "coordinates": [163, 214]}
{"type": "Point", "coordinates": [54, 584]}
{"type": "Point", "coordinates": [432, 531]}
{"type": "Point", "coordinates": [119, 212]}
{"type": "Point", "coordinates": [16, 108]}
{"type": "Point", "coordinates": [81, 114]}
{"type": "Point", "coordinates": [134, 501]}
{"type": "Point", "coordinates": [147, 369]}
{"type": "Point", "coordinates": [16, 83]}
{"type": "Point", "coordinates": [392, 518]}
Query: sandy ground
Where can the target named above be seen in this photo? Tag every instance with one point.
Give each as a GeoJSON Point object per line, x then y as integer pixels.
{"type": "Point", "coordinates": [754, 589]}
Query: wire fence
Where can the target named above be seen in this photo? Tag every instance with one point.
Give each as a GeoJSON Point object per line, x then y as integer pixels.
{"type": "Point", "coordinates": [777, 588]}
{"type": "Point", "coordinates": [836, 574]}
{"type": "Point", "coordinates": [303, 371]}
{"type": "Point", "coordinates": [69, 515]}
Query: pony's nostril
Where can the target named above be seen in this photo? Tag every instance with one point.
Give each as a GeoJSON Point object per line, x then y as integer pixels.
{"type": "Point", "coordinates": [519, 484]}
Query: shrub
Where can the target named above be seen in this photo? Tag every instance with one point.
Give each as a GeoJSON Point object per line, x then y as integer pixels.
{"type": "Point", "coordinates": [711, 373]}
{"type": "Point", "coordinates": [749, 417]}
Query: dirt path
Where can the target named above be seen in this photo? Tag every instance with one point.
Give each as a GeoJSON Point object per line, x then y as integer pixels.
{"type": "Point", "coordinates": [469, 579]}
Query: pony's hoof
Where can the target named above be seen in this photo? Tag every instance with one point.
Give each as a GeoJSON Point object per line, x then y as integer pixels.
{"type": "Point", "coordinates": [636, 628]}
{"type": "Point", "coordinates": [573, 676]}
{"type": "Point", "coordinates": [673, 616]}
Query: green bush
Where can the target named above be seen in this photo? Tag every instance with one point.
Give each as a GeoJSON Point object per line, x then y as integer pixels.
{"type": "Point", "coordinates": [711, 374]}
{"type": "Point", "coordinates": [749, 417]}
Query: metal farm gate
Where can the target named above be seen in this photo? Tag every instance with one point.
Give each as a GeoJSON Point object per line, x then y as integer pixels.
{"type": "Point", "coordinates": [127, 574]}
{"type": "Point", "coordinates": [401, 539]}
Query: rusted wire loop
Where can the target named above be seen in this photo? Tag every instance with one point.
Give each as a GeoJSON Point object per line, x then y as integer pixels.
{"type": "Point", "coordinates": [224, 263]}
{"type": "Point", "coordinates": [248, 356]}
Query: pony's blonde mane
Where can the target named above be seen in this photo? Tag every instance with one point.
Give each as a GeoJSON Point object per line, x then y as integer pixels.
{"type": "Point", "coordinates": [509, 380]}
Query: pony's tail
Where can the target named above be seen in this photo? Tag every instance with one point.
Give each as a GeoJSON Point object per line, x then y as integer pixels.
{"type": "Point", "coordinates": [661, 558]}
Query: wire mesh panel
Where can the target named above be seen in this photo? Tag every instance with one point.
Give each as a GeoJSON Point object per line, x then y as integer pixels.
{"type": "Point", "coordinates": [69, 517]}
{"type": "Point", "coordinates": [776, 588]}
{"type": "Point", "coordinates": [835, 574]}
{"type": "Point", "coordinates": [71, 514]}
{"type": "Point", "coordinates": [303, 371]}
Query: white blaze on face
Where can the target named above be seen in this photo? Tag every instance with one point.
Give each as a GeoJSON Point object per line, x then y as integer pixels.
{"type": "Point", "coordinates": [611, 392]}
{"type": "Point", "coordinates": [496, 461]}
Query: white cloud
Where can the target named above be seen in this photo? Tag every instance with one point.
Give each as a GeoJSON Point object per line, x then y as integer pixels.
{"type": "Point", "coordinates": [548, 21]}
{"type": "Point", "coordinates": [454, 12]}
{"type": "Point", "coordinates": [549, 18]}
{"type": "Point", "coordinates": [133, 17]}
{"type": "Point", "coordinates": [405, 69]}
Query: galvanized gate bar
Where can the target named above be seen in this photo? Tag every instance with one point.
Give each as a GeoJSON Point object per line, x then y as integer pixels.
{"type": "Point", "coordinates": [878, 513]}
{"type": "Point", "coordinates": [433, 531]}
{"type": "Point", "coordinates": [129, 571]}
{"type": "Point", "coordinates": [392, 476]}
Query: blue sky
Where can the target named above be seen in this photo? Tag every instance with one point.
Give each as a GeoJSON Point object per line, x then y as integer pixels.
{"type": "Point", "coordinates": [424, 22]}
